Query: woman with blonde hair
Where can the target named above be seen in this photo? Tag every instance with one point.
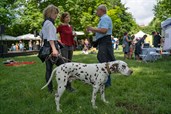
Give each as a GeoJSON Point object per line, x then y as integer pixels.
{"type": "Point", "coordinates": [49, 36]}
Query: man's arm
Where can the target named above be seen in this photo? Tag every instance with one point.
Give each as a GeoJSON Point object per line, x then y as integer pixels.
{"type": "Point", "coordinates": [100, 30]}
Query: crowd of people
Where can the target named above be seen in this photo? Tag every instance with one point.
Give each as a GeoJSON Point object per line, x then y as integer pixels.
{"type": "Point", "coordinates": [133, 46]}
{"type": "Point", "coordinates": [22, 47]}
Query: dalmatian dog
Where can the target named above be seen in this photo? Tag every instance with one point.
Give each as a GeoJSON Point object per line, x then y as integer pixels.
{"type": "Point", "coordinates": [93, 74]}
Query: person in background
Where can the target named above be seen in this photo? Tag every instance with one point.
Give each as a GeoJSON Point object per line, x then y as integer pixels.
{"type": "Point", "coordinates": [131, 50]}
{"type": "Point", "coordinates": [133, 41]}
{"type": "Point", "coordinates": [67, 35]}
{"type": "Point", "coordinates": [103, 38]}
{"type": "Point", "coordinates": [16, 47]}
{"type": "Point", "coordinates": [37, 45]}
{"type": "Point", "coordinates": [113, 42]}
{"type": "Point", "coordinates": [156, 40]}
{"type": "Point", "coordinates": [132, 47]}
{"type": "Point", "coordinates": [130, 38]}
{"type": "Point", "coordinates": [86, 43]}
{"type": "Point", "coordinates": [117, 44]}
{"type": "Point", "coordinates": [34, 46]}
{"type": "Point", "coordinates": [125, 45]}
{"type": "Point", "coordinates": [13, 47]}
{"type": "Point", "coordinates": [79, 46]}
{"type": "Point", "coordinates": [86, 47]}
{"type": "Point", "coordinates": [138, 47]}
{"type": "Point", "coordinates": [21, 46]}
{"type": "Point", "coordinates": [30, 45]}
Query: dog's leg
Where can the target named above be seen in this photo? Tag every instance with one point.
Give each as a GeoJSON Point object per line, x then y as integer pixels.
{"type": "Point", "coordinates": [60, 91]}
{"type": "Point", "coordinates": [102, 92]}
{"type": "Point", "coordinates": [93, 100]}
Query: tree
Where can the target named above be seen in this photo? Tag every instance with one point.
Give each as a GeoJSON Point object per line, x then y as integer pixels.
{"type": "Point", "coordinates": [7, 12]}
{"type": "Point", "coordinates": [162, 11]}
{"type": "Point", "coordinates": [28, 15]}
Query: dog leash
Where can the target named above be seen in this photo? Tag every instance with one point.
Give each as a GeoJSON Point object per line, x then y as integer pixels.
{"type": "Point", "coordinates": [55, 59]}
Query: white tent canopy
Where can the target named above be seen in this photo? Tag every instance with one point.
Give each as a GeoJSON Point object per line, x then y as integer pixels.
{"type": "Point", "coordinates": [79, 33]}
{"type": "Point", "coordinates": [28, 37]}
{"type": "Point", "coordinates": [140, 34]}
{"type": "Point", "coordinates": [7, 37]}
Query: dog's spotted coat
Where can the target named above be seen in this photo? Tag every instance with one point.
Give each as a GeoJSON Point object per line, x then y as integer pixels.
{"type": "Point", "coordinates": [93, 74]}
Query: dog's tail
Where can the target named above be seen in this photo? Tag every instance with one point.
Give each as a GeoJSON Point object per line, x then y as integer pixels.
{"type": "Point", "coordinates": [52, 74]}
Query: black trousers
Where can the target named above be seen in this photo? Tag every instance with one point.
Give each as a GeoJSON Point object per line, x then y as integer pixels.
{"type": "Point", "coordinates": [105, 52]}
{"type": "Point", "coordinates": [49, 68]}
{"type": "Point", "coordinates": [67, 52]}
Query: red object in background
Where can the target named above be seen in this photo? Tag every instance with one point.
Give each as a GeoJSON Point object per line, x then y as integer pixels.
{"type": "Point", "coordinates": [20, 63]}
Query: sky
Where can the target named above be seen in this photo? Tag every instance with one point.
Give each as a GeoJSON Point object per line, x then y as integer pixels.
{"type": "Point", "coordinates": [142, 10]}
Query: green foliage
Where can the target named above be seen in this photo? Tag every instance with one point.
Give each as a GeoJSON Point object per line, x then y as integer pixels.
{"type": "Point", "coordinates": [27, 15]}
{"type": "Point", "coordinates": [6, 13]}
{"type": "Point", "coordinates": [162, 11]}
{"type": "Point", "coordinates": [122, 21]}
{"type": "Point", "coordinates": [147, 29]}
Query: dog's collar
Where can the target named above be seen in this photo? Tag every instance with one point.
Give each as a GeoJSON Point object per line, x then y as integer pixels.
{"type": "Point", "coordinates": [108, 68]}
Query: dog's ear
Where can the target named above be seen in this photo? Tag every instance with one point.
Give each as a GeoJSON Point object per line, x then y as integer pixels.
{"type": "Point", "coordinates": [114, 67]}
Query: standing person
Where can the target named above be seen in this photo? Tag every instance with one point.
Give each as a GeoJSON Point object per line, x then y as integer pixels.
{"type": "Point", "coordinates": [117, 44]}
{"type": "Point", "coordinates": [30, 45]}
{"type": "Point", "coordinates": [16, 46]}
{"type": "Point", "coordinates": [37, 45]}
{"type": "Point", "coordinates": [21, 45]}
{"type": "Point", "coordinates": [67, 39]}
{"type": "Point", "coordinates": [156, 40]}
{"type": "Point", "coordinates": [138, 47]}
{"type": "Point", "coordinates": [86, 47]}
{"type": "Point", "coordinates": [103, 38]}
{"type": "Point", "coordinates": [131, 50]}
{"type": "Point", "coordinates": [50, 39]}
{"type": "Point", "coordinates": [13, 48]}
{"type": "Point", "coordinates": [113, 42]}
{"type": "Point", "coordinates": [86, 44]}
{"type": "Point", "coordinates": [125, 45]}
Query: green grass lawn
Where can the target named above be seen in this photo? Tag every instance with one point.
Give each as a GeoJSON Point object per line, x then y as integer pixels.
{"type": "Point", "coordinates": [147, 91]}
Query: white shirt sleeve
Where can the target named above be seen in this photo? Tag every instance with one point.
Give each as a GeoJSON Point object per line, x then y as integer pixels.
{"type": "Point", "coordinates": [49, 31]}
